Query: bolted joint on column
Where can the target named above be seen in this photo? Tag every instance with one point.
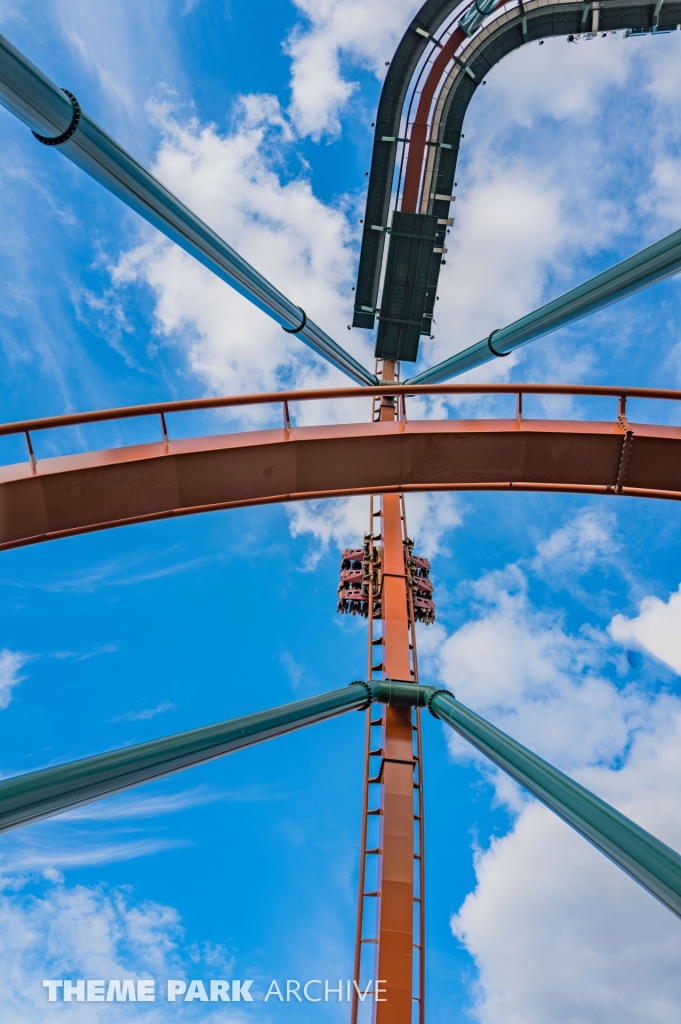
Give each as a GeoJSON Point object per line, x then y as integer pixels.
{"type": "Point", "coordinates": [399, 693]}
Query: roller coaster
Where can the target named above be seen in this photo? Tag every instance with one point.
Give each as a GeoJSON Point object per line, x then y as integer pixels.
{"type": "Point", "coordinates": [444, 56]}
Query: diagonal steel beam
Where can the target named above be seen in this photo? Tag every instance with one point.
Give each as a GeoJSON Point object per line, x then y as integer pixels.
{"type": "Point", "coordinates": [51, 114]}
{"type": "Point", "coordinates": [41, 794]}
{"type": "Point", "coordinates": [651, 863]}
{"type": "Point", "coordinates": [27, 798]}
{"type": "Point", "coordinates": [658, 261]}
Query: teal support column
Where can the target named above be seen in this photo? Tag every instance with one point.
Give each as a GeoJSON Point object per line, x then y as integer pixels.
{"type": "Point", "coordinates": [651, 863]}
{"type": "Point", "coordinates": [658, 261]}
{"type": "Point", "coordinates": [32, 97]}
{"type": "Point", "coordinates": [27, 798]}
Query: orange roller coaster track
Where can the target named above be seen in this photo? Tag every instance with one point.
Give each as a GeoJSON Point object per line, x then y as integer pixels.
{"type": "Point", "coordinates": [43, 499]}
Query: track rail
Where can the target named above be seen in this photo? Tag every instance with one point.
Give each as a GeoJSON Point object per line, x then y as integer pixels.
{"type": "Point", "coordinates": [433, 137]}
{"type": "Point", "coordinates": [43, 499]}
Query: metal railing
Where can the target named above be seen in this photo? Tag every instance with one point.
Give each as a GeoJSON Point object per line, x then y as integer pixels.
{"type": "Point", "coordinates": [400, 392]}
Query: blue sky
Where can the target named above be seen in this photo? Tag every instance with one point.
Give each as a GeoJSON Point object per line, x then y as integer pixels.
{"type": "Point", "coordinates": [259, 118]}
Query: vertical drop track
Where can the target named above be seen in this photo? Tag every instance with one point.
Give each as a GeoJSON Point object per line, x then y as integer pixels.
{"type": "Point", "coordinates": [391, 896]}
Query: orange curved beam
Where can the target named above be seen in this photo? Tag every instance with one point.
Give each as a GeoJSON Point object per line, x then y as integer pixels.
{"type": "Point", "coordinates": [75, 494]}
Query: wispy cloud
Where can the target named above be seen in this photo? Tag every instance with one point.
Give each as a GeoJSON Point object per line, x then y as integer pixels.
{"type": "Point", "coordinates": [134, 806]}
{"type": "Point", "coordinates": [119, 808]}
{"type": "Point", "coordinates": [111, 648]}
{"type": "Point", "coordinates": [11, 663]}
{"type": "Point", "coordinates": [66, 841]}
{"type": "Point", "coordinates": [116, 574]}
{"type": "Point", "coordinates": [35, 855]}
{"type": "Point", "coordinates": [145, 713]}
{"type": "Point", "coordinates": [302, 244]}
{"type": "Point", "coordinates": [294, 669]}
{"type": "Point", "coordinates": [126, 571]}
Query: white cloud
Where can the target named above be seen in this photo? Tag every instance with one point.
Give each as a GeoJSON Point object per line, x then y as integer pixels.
{"type": "Point", "coordinates": [497, 272]}
{"type": "Point", "coordinates": [363, 32]}
{"type": "Point", "coordinates": [146, 713]}
{"type": "Point", "coordinates": [134, 805]}
{"type": "Point", "coordinates": [510, 228]}
{"type": "Point", "coordinates": [572, 76]}
{"type": "Point", "coordinates": [664, 191]}
{"type": "Point", "coordinates": [517, 666]}
{"type": "Point", "coordinates": [50, 846]}
{"type": "Point", "coordinates": [585, 541]}
{"type": "Point", "coordinates": [665, 75]}
{"type": "Point", "coordinates": [125, 51]}
{"type": "Point", "coordinates": [11, 663]}
{"type": "Point", "coordinates": [560, 934]}
{"type": "Point", "coordinates": [344, 521]}
{"type": "Point", "coordinates": [519, 229]}
{"type": "Point", "coordinates": [339, 521]}
{"type": "Point", "coordinates": [656, 628]}
{"type": "Point", "coordinates": [236, 183]}
{"type": "Point", "coordinates": [84, 932]}
{"type": "Point", "coordinates": [658, 202]}
{"type": "Point", "coordinates": [430, 518]}
{"type": "Point", "coordinates": [546, 184]}
{"type": "Point", "coordinates": [557, 932]}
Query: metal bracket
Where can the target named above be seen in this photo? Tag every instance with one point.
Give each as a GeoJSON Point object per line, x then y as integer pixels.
{"type": "Point", "coordinates": [595, 16]}
{"type": "Point", "coordinates": [164, 429]}
{"type": "Point", "coordinates": [464, 67]}
{"type": "Point", "coordinates": [31, 453]}
{"type": "Point", "coordinates": [625, 456]}
{"type": "Point", "coordinates": [426, 35]}
{"type": "Point", "coordinates": [523, 20]}
{"type": "Point", "coordinates": [622, 413]}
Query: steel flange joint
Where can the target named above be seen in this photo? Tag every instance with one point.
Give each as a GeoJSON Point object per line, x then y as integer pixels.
{"type": "Point", "coordinates": [59, 140]}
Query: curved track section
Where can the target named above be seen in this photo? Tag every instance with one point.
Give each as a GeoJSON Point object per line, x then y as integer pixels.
{"type": "Point", "coordinates": [388, 117]}
{"type": "Point", "coordinates": [432, 153]}
{"type": "Point", "coordinates": [72, 494]}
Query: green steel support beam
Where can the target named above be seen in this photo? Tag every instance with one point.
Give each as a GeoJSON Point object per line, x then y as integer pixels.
{"type": "Point", "coordinates": [651, 863]}
{"type": "Point", "coordinates": [658, 261]}
{"type": "Point", "coordinates": [27, 798]}
{"type": "Point", "coordinates": [50, 113]}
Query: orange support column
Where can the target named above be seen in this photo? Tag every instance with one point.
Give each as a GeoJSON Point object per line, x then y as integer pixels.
{"type": "Point", "coordinates": [396, 870]}
{"type": "Point", "coordinates": [396, 878]}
